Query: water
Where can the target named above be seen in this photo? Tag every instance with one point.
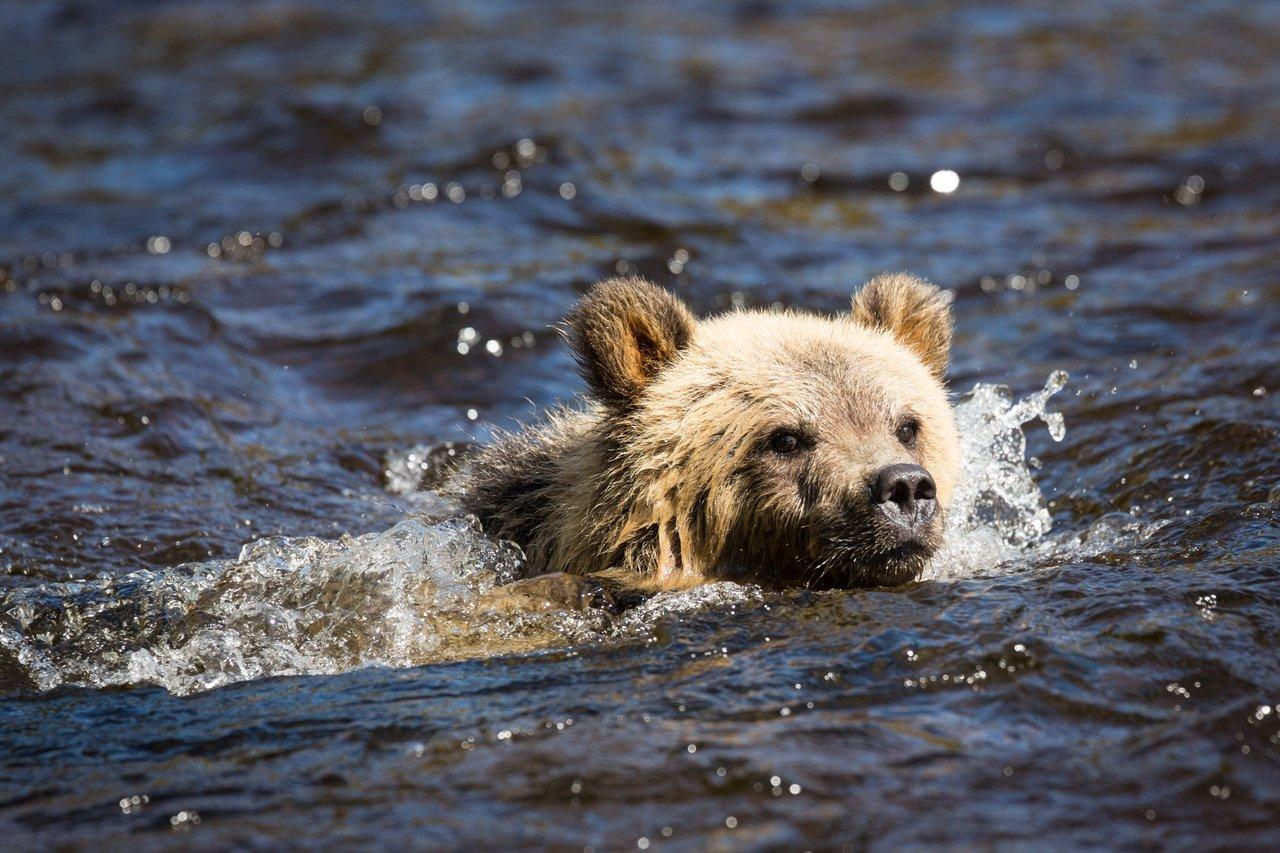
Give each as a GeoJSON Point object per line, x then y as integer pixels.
{"type": "Point", "coordinates": [265, 268]}
{"type": "Point", "coordinates": [422, 592]}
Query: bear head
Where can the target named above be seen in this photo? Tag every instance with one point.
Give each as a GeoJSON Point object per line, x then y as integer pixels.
{"type": "Point", "coordinates": [780, 447]}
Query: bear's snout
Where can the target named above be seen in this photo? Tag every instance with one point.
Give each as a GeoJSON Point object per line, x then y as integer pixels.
{"type": "Point", "coordinates": [905, 497]}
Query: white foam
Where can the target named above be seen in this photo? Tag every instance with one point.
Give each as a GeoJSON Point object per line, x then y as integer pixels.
{"type": "Point", "coordinates": [997, 509]}
{"type": "Point", "coordinates": [284, 606]}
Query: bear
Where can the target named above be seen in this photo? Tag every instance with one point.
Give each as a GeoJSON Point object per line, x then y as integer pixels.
{"type": "Point", "coordinates": [778, 447]}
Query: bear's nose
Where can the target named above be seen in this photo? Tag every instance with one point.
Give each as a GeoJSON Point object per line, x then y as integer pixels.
{"type": "Point", "coordinates": [903, 485]}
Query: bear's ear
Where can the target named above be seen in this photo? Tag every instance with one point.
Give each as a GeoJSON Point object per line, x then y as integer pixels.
{"type": "Point", "coordinates": [913, 311]}
{"type": "Point", "coordinates": [623, 332]}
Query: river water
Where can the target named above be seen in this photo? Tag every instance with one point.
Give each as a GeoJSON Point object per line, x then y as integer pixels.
{"type": "Point", "coordinates": [267, 269]}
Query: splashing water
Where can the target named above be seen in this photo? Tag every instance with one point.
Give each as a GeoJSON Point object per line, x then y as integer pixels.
{"type": "Point", "coordinates": [284, 606]}
{"type": "Point", "coordinates": [997, 509]}
{"type": "Point", "coordinates": [422, 592]}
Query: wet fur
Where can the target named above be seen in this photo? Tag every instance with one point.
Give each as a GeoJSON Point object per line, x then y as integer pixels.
{"type": "Point", "coordinates": [664, 481]}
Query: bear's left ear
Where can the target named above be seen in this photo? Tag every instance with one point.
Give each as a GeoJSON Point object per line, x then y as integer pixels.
{"type": "Point", "coordinates": [913, 311]}
{"type": "Point", "coordinates": [623, 332]}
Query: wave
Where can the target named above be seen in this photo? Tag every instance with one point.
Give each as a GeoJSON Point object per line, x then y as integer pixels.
{"type": "Point", "coordinates": [423, 591]}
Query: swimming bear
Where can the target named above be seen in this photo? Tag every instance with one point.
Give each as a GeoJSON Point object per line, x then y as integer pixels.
{"type": "Point", "coordinates": [777, 447]}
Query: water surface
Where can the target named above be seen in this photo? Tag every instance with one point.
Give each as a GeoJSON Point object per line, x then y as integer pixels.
{"type": "Point", "coordinates": [262, 266]}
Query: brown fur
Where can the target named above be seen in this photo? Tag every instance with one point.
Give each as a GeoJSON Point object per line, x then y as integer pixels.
{"type": "Point", "coordinates": [914, 312]}
{"type": "Point", "coordinates": [624, 334]}
{"type": "Point", "coordinates": [668, 480]}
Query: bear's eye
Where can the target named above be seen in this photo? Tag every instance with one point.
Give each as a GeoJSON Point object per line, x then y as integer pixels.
{"type": "Point", "coordinates": [908, 432]}
{"type": "Point", "coordinates": [784, 442]}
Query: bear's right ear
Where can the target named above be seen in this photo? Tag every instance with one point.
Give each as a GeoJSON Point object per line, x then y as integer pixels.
{"type": "Point", "coordinates": [623, 332]}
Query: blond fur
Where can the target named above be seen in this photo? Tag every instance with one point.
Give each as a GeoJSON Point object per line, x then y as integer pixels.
{"type": "Point", "coordinates": [664, 480]}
